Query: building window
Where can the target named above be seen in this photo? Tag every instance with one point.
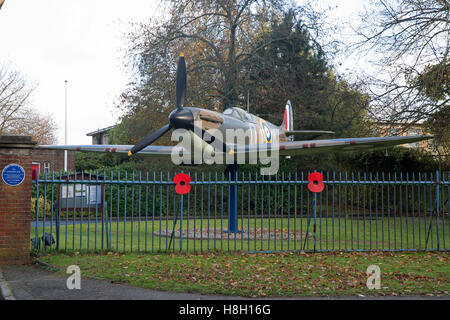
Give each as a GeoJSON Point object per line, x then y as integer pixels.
{"type": "Point", "coordinates": [46, 167]}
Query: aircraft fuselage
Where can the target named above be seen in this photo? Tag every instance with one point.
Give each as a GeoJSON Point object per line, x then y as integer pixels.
{"type": "Point", "coordinates": [256, 129]}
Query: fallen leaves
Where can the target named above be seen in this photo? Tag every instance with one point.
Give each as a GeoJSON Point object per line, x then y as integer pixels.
{"type": "Point", "coordinates": [280, 274]}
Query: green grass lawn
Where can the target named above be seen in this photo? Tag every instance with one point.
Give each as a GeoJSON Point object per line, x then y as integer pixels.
{"type": "Point", "coordinates": [331, 234]}
{"type": "Point", "coordinates": [268, 275]}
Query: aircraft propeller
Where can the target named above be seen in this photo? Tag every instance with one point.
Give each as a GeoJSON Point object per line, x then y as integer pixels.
{"type": "Point", "coordinates": [179, 118]}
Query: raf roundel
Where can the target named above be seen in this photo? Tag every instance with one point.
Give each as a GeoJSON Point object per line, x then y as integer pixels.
{"type": "Point", "coordinates": [267, 132]}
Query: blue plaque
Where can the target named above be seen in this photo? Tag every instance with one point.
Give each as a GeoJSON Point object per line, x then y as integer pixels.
{"type": "Point", "coordinates": [13, 174]}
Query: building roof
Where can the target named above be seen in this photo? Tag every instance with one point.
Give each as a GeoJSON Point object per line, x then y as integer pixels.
{"type": "Point", "coordinates": [100, 131]}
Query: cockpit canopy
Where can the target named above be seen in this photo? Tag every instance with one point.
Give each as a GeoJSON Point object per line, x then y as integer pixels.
{"type": "Point", "coordinates": [238, 113]}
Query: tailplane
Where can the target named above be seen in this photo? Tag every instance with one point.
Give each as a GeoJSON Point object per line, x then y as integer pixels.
{"type": "Point", "coordinates": [287, 126]}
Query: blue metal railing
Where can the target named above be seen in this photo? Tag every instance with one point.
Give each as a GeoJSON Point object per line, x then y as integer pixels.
{"type": "Point", "coordinates": [141, 212]}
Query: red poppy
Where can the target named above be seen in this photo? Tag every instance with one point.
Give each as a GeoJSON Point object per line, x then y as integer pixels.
{"type": "Point", "coordinates": [182, 183]}
{"type": "Point", "coordinates": [315, 182]}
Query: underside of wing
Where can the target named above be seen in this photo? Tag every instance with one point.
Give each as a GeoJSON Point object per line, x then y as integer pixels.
{"type": "Point", "coordinates": [163, 151]}
{"type": "Point", "coordinates": [345, 144]}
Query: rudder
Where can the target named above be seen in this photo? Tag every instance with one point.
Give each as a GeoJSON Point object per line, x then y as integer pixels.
{"type": "Point", "coordinates": [288, 118]}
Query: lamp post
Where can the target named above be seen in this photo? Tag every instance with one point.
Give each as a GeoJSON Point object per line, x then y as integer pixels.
{"type": "Point", "coordinates": [65, 128]}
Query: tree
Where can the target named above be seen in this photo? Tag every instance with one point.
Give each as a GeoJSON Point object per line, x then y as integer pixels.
{"type": "Point", "coordinates": [16, 116]}
{"type": "Point", "coordinates": [283, 60]}
{"type": "Point", "coordinates": [294, 66]}
{"type": "Point", "coordinates": [434, 83]}
{"type": "Point", "coordinates": [438, 124]}
{"type": "Point", "coordinates": [29, 122]}
{"type": "Point", "coordinates": [218, 37]}
{"type": "Point", "coordinates": [412, 39]}
{"type": "Point", "coordinates": [14, 93]}
{"type": "Point", "coordinates": [219, 32]}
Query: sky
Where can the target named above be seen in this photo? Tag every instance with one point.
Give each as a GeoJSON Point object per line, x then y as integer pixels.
{"type": "Point", "coordinates": [50, 41]}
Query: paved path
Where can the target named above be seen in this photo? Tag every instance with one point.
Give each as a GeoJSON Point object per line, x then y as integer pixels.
{"type": "Point", "coordinates": [33, 282]}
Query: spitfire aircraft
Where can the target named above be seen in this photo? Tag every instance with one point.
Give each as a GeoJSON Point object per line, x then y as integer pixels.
{"type": "Point", "coordinates": [206, 129]}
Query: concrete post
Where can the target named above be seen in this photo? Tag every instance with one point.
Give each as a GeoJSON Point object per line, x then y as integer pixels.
{"type": "Point", "coordinates": [15, 201]}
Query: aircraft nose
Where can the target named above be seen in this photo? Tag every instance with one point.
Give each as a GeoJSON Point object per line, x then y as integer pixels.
{"type": "Point", "coordinates": [183, 118]}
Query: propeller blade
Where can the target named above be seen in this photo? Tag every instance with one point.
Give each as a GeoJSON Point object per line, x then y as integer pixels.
{"type": "Point", "coordinates": [216, 143]}
{"type": "Point", "coordinates": [181, 82]}
{"type": "Point", "coordinates": [149, 139]}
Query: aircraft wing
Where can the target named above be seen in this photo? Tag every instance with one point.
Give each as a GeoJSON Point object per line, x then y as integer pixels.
{"type": "Point", "coordinates": [345, 144]}
{"type": "Point", "coordinates": [162, 151]}
{"type": "Point", "coordinates": [306, 147]}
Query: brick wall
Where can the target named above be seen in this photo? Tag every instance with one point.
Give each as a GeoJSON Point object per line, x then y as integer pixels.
{"type": "Point", "coordinates": [54, 157]}
{"type": "Point", "coordinates": [15, 202]}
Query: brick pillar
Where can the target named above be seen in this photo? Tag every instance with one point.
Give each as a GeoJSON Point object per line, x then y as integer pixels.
{"type": "Point", "coordinates": [15, 202]}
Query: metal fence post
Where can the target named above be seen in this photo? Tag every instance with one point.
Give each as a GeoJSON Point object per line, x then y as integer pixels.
{"type": "Point", "coordinates": [233, 205]}
{"type": "Point", "coordinates": [315, 219]}
{"type": "Point", "coordinates": [105, 222]}
{"type": "Point", "coordinates": [181, 223]}
{"type": "Point", "coordinates": [437, 210]}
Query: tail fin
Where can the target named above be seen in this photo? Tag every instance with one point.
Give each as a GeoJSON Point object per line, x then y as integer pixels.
{"type": "Point", "coordinates": [288, 118]}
